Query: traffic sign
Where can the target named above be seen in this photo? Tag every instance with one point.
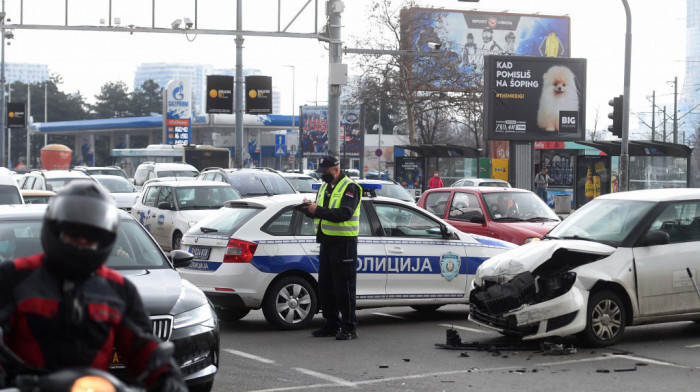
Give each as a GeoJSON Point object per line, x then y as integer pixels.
{"type": "Point", "coordinates": [280, 145]}
{"type": "Point", "coordinates": [378, 152]}
{"type": "Point", "coordinates": [280, 140]}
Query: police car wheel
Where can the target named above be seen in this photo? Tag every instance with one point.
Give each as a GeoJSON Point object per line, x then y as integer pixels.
{"type": "Point", "coordinates": [231, 314]}
{"type": "Point", "coordinates": [290, 303]}
{"type": "Point", "coordinates": [426, 308]}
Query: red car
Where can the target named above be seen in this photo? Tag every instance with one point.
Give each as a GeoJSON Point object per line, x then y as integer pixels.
{"type": "Point", "coordinates": [510, 214]}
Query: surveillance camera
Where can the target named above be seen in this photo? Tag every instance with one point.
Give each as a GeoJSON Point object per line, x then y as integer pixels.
{"type": "Point", "coordinates": [9, 35]}
{"type": "Point", "coordinates": [176, 23]}
{"type": "Point", "coordinates": [117, 21]}
{"type": "Point", "coordinates": [188, 22]}
{"type": "Point", "coordinates": [434, 45]}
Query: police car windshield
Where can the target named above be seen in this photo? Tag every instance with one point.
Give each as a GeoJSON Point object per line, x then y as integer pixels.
{"type": "Point", "coordinates": [250, 183]}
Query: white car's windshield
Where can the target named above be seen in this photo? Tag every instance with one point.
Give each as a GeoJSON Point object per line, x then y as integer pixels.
{"type": "Point", "coordinates": [606, 221]}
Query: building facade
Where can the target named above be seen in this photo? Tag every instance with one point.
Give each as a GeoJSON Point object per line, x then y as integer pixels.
{"type": "Point", "coordinates": [26, 73]}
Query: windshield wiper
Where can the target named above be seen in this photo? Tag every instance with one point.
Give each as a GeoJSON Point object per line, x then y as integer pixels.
{"type": "Point", "coordinates": [540, 219]}
{"type": "Point", "coordinates": [208, 229]}
{"type": "Point", "coordinates": [509, 219]}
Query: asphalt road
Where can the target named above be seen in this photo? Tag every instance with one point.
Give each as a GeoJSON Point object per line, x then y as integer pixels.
{"type": "Point", "coordinates": [396, 352]}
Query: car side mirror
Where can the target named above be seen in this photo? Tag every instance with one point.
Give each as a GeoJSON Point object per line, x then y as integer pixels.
{"type": "Point", "coordinates": [477, 219]}
{"type": "Point", "coordinates": [446, 233]}
{"type": "Point", "coordinates": [180, 258]}
{"type": "Point", "coordinates": [655, 237]}
{"type": "Point", "coordinates": [164, 205]}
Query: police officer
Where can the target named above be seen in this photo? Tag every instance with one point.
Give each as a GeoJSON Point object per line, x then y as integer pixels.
{"type": "Point", "coordinates": [336, 214]}
{"type": "Point", "coordinates": [64, 308]}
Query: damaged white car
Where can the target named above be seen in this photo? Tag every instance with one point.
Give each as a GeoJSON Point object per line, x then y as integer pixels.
{"type": "Point", "coordinates": [622, 259]}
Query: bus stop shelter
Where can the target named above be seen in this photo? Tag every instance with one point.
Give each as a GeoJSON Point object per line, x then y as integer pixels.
{"type": "Point", "coordinates": [452, 161]}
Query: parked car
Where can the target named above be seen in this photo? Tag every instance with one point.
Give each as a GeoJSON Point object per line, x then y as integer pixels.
{"type": "Point", "coordinates": [32, 196]}
{"type": "Point", "coordinates": [179, 311]}
{"type": "Point", "coordinates": [103, 170]}
{"type": "Point", "coordinates": [511, 214]}
{"type": "Point", "coordinates": [481, 182]}
{"type": "Point", "coordinates": [121, 189]}
{"type": "Point", "coordinates": [249, 182]}
{"type": "Point", "coordinates": [261, 253]}
{"type": "Point", "coordinates": [389, 188]}
{"type": "Point", "coordinates": [622, 259]}
{"type": "Point", "coordinates": [149, 170]}
{"type": "Point", "coordinates": [9, 191]}
{"type": "Point", "coordinates": [51, 180]}
{"type": "Point", "coordinates": [167, 209]}
{"type": "Point", "coordinates": [301, 182]}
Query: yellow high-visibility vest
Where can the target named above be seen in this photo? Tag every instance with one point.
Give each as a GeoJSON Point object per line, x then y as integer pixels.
{"type": "Point", "coordinates": [349, 228]}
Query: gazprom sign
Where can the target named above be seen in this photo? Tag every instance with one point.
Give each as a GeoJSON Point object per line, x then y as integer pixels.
{"type": "Point", "coordinates": [178, 116]}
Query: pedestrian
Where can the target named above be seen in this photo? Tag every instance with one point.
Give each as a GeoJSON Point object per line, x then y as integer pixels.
{"type": "Point", "coordinates": [336, 214]}
{"type": "Point", "coordinates": [542, 181]}
{"type": "Point", "coordinates": [436, 181]}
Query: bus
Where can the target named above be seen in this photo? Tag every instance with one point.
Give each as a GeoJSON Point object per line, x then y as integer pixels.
{"type": "Point", "coordinates": [200, 156]}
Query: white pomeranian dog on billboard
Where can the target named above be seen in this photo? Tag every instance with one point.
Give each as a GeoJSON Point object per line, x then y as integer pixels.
{"type": "Point", "coordinates": [559, 93]}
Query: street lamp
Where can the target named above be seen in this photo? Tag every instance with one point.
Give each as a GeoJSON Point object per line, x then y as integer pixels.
{"type": "Point", "coordinates": [294, 72]}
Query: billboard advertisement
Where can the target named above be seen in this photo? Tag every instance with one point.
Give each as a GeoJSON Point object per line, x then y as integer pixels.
{"type": "Point", "coordinates": [258, 98]}
{"type": "Point", "coordinates": [534, 98]}
{"type": "Point", "coordinates": [220, 94]}
{"type": "Point", "coordinates": [178, 111]}
{"type": "Point", "coordinates": [468, 37]}
{"type": "Point", "coordinates": [313, 131]}
{"type": "Point", "coordinates": [16, 117]}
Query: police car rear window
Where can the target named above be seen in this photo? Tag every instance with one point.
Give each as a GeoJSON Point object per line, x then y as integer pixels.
{"type": "Point", "coordinates": [227, 221]}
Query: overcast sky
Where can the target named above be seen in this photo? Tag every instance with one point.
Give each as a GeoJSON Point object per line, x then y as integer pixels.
{"type": "Point", "coordinates": [87, 60]}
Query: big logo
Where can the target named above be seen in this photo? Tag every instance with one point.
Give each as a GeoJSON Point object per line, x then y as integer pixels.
{"type": "Point", "coordinates": [178, 92]}
{"type": "Point", "coordinates": [449, 265]}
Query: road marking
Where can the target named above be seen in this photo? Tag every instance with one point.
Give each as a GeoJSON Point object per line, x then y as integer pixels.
{"type": "Point", "coordinates": [604, 357]}
{"type": "Point", "coordinates": [693, 346]}
{"type": "Point", "coordinates": [250, 356]}
{"type": "Point", "coordinates": [391, 315]}
{"type": "Point", "coordinates": [327, 377]}
{"type": "Point", "coordinates": [463, 328]}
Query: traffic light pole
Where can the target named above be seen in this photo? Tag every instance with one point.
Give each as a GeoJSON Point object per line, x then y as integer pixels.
{"type": "Point", "coordinates": [624, 152]}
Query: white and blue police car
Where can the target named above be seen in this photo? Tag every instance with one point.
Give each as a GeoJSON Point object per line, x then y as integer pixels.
{"type": "Point", "coordinates": [262, 253]}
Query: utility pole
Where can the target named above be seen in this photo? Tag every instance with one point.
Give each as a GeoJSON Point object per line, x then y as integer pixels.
{"type": "Point", "coordinates": [337, 75]}
{"type": "Point", "coordinates": [624, 147]}
{"type": "Point", "coordinates": [664, 124]}
{"type": "Point", "coordinates": [653, 114]}
{"type": "Point", "coordinates": [3, 103]}
{"type": "Point", "coordinates": [675, 110]}
{"type": "Point", "coordinates": [239, 86]}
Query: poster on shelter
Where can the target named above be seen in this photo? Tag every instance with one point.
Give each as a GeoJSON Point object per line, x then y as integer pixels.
{"type": "Point", "coordinates": [314, 131]}
{"type": "Point", "coordinates": [535, 98]}
{"type": "Point", "coordinates": [467, 38]}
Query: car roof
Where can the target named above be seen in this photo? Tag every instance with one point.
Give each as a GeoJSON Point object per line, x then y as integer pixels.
{"type": "Point", "coordinates": [36, 192]}
{"type": "Point", "coordinates": [296, 175]}
{"type": "Point", "coordinates": [382, 182]}
{"type": "Point", "coordinates": [64, 174]}
{"type": "Point", "coordinates": [109, 177]}
{"type": "Point", "coordinates": [482, 189]}
{"type": "Point", "coordinates": [655, 195]}
{"type": "Point", "coordinates": [168, 165]}
{"type": "Point", "coordinates": [36, 211]}
{"type": "Point", "coordinates": [289, 198]}
{"type": "Point", "coordinates": [188, 183]}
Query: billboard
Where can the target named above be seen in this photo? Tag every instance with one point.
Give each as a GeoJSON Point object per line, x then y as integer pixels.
{"type": "Point", "coordinates": [468, 37]}
{"type": "Point", "coordinates": [16, 117]}
{"type": "Point", "coordinates": [313, 131]}
{"type": "Point", "coordinates": [220, 94]}
{"type": "Point", "coordinates": [258, 98]}
{"type": "Point", "coordinates": [178, 111]}
{"type": "Point", "coordinates": [534, 98]}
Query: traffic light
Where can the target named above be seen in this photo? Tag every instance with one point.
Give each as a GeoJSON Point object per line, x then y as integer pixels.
{"type": "Point", "coordinates": [616, 116]}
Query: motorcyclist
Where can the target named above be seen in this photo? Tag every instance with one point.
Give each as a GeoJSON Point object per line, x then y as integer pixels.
{"type": "Point", "coordinates": [63, 308]}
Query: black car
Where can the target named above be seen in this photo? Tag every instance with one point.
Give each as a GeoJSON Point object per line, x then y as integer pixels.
{"type": "Point", "coordinates": [250, 182]}
{"type": "Point", "coordinates": [179, 311]}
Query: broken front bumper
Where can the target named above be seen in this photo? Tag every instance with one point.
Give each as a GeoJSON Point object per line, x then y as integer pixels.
{"type": "Point", "coordinates": [510, 310]}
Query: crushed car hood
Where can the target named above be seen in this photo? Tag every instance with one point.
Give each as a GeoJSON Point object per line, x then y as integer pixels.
{"type": "Point", "coordinates": [530, 256]}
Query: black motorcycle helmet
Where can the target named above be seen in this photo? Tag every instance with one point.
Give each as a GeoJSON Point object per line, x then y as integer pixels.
{"type": "Point", "coordinates": [83, 209]}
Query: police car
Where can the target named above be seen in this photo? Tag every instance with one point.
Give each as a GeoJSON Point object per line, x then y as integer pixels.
{"type": "Point", "coordinates": [262, 253]}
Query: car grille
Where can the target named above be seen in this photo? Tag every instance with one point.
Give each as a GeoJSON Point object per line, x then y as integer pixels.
{"type": "Point", "coordinates": [499, 299]}
{"type": "Point", "coordinates": [508, 324]}
{"type": "Point", "coordinates": [162, 326]}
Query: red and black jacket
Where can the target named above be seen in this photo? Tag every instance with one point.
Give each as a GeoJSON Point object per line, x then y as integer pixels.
{"type": "Point", "coordinates": [54, 324]}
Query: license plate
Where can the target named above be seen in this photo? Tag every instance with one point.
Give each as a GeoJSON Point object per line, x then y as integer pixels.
{"type": "Point", "coordinates": [199, 252]}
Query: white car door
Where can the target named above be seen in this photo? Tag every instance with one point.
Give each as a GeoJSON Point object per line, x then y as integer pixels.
{"type": "Point", "coordinates": [145, 210]}
{"type": "Point", "coordinates": [662, 280]}
{"type": "Point", "coordinates": [371, 273]}
{"type": "Point", "coordinates": [165, 218]}
{"type": "Point", "coordinates": [421, 264]}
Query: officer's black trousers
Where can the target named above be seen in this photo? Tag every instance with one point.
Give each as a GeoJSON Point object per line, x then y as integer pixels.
{"type": "Point", "coordinates": [337, 281]}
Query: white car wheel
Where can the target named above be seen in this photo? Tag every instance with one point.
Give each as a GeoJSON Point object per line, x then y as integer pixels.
{"type": "Point", "coordinates": [290, 303]}
{"type": "Point", "coordinates": [605, 321]}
